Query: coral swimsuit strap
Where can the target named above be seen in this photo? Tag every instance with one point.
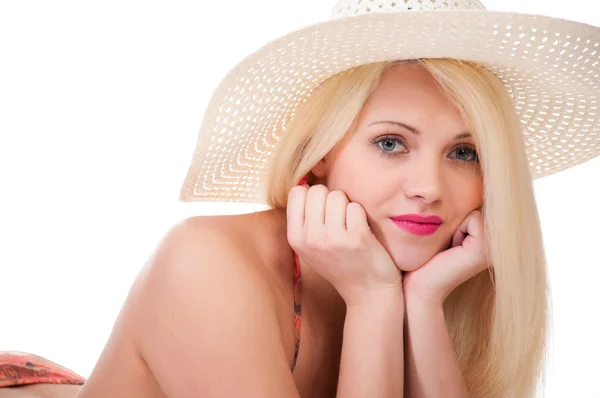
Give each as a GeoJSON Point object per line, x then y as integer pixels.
{"type": "Point", "coordinates": [297, 307]}
{"type": "Point", "coordinates": [297, 295]}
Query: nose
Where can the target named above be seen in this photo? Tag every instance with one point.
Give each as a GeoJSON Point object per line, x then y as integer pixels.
{"type": "Point", "coordinates": [424, 181]}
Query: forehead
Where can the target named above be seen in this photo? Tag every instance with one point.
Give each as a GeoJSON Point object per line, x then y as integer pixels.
{"type": "Point", "coordinates": [409, 92]}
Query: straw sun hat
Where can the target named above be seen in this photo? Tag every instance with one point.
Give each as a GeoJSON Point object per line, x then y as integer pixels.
{"type": "Point", "coordinates": [551, 68]}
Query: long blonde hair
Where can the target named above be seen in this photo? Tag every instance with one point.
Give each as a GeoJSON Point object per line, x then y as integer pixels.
{"type": "Point", "coordinates": [498, 320]}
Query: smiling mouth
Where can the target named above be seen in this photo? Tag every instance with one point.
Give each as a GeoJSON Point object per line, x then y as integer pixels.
{"type": "Point", "coordinates": [417, 228]}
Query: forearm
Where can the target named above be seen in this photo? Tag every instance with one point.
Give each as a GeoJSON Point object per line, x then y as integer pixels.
{"type": "Point", "coordinates": [432, 369]}
{"type": "Point", "coordinates": [372, 363]}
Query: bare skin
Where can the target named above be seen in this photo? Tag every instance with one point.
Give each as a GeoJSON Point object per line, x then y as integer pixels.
{"type": "Point", "coordinates": [212, 313]}
{"type": "Point", "coordinates": [122, 371]}
{"type": "Point", "coordinates": [41, 391]}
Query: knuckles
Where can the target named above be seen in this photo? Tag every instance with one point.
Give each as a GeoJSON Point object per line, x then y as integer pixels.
{"type": "Point", "coordinates": [331, 242]}
{"type": "Point", "coordinates": [318, 191]}
{"type": "Point", "coordinates": [296, 191]}
{"type": "Point", "coordinates": [322, 238]}
{"type": "Point", "coordinates": [337, 196]}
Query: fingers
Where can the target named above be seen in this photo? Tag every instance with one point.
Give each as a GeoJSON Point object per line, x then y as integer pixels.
{"type": "Point", "coordinates": [313, 213]}
{"type": "Point", "coordinates": [311, 210]}
{"type": "Point", "coordinates": [473, 224]}
{"type": "Point", "coordinates": [295, 214]}
{"type": "Point", "coordinates": [458, 237]}
{"type": "Point", "coordinates": [335, 210]}
{"type": "Point", "coordinates": [314, 209]}
{"type": "Point", "coordinates": [356, 218]}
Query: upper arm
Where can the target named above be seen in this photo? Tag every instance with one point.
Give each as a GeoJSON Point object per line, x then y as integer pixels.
{"type": "Point", "coordinates": [205, 321]}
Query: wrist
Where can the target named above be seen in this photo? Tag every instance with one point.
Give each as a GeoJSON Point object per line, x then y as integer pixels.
{"type": "Point", "coordinates": [417, 307]}
{"type": "Point", "coordinates": [381, 314]}
{"type": "Point", "coordinates": [423, 300]}
{"type": "Point", "coordinates": [388, 297]}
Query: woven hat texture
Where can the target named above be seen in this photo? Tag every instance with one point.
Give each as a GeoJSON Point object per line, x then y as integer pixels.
{"type": "Point", "coordinates": [550, 66]}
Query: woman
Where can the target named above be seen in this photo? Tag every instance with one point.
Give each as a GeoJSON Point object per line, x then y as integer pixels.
{"type": "Point", "coordinates": [211, 314]}
{"type": "Point", "coordinates": [240, 340]}
{"type": "Point", "coordinates": [420, 268]}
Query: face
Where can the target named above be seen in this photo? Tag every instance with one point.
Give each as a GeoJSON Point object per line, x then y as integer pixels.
{"type": "Point", "coordinates": [409, 153]}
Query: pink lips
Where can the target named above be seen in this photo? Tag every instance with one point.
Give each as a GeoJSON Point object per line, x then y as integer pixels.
{"type": "Point", "coordinates": [417, 224]}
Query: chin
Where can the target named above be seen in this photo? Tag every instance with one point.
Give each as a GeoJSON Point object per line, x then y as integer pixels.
{"type": "Point", "coordinates": [408, 253]}
{"type": "Point", "coordinates": [408, 266]}
{"type": "Point", "coordinates": [409, 259]}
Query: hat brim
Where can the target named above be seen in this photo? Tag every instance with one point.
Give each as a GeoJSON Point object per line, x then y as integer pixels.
{"type": "Point", "coordinates": [550, 66]}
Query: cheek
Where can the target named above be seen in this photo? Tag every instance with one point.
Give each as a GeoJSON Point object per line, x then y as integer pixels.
{"type": "Point", "coordinates": [465, 190]}
{"type": "Point", "coordinates": [359, 177]}
{"type": "Point", "coordinates": [366, 181]}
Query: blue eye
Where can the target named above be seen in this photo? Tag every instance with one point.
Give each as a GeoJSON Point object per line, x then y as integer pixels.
{"type": "Point", "coordinates": [466, 154]}
{"type": "Point", "coordinates": [388, 145]}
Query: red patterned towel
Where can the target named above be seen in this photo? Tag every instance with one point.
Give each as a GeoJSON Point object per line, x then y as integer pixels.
{"type": "Point", "coordinates": [19, 368]}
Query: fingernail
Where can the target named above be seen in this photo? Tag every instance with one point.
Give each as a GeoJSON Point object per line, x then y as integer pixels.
{"type": "Point", "coordinates": [303, 181]}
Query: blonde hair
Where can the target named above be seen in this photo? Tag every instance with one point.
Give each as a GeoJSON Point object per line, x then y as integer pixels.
{"type": "Point", "coordinates": [498, 320]}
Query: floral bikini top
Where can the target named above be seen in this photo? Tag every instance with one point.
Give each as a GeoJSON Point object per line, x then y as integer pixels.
{"type": "Point", "coordinates": [297, 297]}
{"type": "Point", "coordinates": [297, 307]}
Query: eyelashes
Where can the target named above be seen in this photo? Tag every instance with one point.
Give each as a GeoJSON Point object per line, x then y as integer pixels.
{"type": "Point", "coordinates": [472, 156]}
{"type": "Point", "coordinates": [386, 145]}
{"type": "Point", "coordinates": [379, 144]}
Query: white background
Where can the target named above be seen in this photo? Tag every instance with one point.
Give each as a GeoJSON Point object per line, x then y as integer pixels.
{"type": "Point", "coordinates": [100, 104]}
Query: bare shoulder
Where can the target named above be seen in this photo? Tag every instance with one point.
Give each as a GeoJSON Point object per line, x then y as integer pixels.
{"type": "Point", "coordinates": [192, 244]}
{"type": "Point", "coordinates": [201, 316]}
{"type": "Point", "coordinates": [208, 257]}
{"type": "Point", "coordinates": [229, 247]}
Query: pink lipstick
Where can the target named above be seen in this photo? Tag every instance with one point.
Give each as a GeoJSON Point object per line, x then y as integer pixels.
{"type": "Point", "coordinates": [417, 224]}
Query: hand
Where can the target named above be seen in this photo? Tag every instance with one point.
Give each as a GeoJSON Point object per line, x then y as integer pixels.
{"type": "Point", "coordinates": [333, 237]}
{"type": "Point", "coordinates": [466, 257]}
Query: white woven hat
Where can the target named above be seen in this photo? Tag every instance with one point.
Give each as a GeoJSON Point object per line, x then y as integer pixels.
{"type": "Point", "coordinates": [551, 68]}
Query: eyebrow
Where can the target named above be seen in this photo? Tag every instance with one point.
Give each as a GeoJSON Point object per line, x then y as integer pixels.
{"type": "Point", "coordinates": [416, 131]}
